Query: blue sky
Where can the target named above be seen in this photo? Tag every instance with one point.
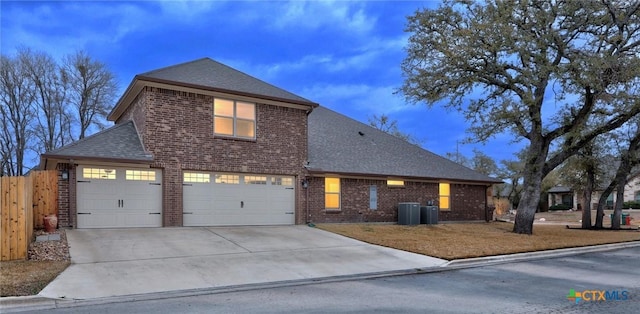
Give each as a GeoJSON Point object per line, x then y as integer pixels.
{"type": "Point", "coordinates": [344, 55]}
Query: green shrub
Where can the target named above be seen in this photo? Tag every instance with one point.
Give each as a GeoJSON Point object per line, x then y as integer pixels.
{"type": "Point", "coordinates": [631, 204]}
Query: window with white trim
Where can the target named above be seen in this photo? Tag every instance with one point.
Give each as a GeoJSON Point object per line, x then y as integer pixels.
{"type": "Point", "coordinates": [395, 183]}
{"type": "Point", "coordinates": [99, 173]}
{"type": "Point", "coordinates": [140, 175]}
{"type": "Point", "coordinates": [332, 193]}
{"type": "Point", "coordinates": [234, 118]}
{"type": "Point", "coordinates": [444, 190]}
{"type": "Point", "coordinates": [227, 178]}
{"type": "Point", "coordinates": [281, 181]}
{"type": "Point", "coordinates": [255, 180]}
{"type": "Point", "coordinates": [196, 177]}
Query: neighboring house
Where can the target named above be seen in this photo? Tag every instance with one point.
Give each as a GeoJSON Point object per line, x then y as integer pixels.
{"type": "Point", "coordinates": [567, 196]}
{"type": "Point", "coordinates": [561, 195]}
{"type": "Point", "coordinates": [202, 144]}
{"type": "Point", "coordinates": [632, 189]}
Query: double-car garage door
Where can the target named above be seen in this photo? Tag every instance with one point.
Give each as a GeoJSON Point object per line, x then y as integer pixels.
{"type": "Point", "coordinates": [119, 197]}
{"type": "Point", "coordinates": [226, 199]}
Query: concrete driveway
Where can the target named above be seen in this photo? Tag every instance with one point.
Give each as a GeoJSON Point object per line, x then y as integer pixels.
{"type": "Point", "coordinates": [118, 262]}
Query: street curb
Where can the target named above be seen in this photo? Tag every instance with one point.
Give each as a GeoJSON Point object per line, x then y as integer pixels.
{"type": "Point", "coordinates": [33, 303]}
{"type": "Point", "coordinates": [28, 303]}
{"type": "Point", "coordinates": [529, 256]}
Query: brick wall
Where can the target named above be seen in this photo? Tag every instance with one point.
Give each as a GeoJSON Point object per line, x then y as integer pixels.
{"type": "Point", "coordinates": [63, 198]}
{"type": "Point", "coordinates": [178, 131]}
{"type": "Point", "coordinates": [467, 201]}
{"type": "Point", "coordinates": [136, 113]}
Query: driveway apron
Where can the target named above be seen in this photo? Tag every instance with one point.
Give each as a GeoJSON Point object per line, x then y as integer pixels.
{"type": "Point", "coordinates": [120, 262]}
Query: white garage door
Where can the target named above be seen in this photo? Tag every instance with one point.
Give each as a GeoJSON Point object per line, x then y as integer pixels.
{"type": "Point", "coordinates": [225, 199]}
{"type": "Point", "coordinates": [113, 197]}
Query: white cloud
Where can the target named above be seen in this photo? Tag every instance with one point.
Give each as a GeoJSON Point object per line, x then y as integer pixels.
{"type": "Point", "coordinates": [345, 15]}
{"type": "Point", "coordinates": [360, 97]}
{"type": "Point", "coordinates": [67, 27]}
{"type": "Point", "coordinates": [187, 11]}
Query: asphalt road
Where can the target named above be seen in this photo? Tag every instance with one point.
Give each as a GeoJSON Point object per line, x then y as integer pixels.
{"type": "Point", "coordinates": [538, 286]}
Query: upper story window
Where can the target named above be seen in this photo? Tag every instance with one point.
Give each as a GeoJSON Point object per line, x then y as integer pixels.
{"type": "Point", "coordinates": [234, 118]}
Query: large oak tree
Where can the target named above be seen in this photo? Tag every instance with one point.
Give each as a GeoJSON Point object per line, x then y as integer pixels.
{"type": "Point", "coordinates": [556, 73]}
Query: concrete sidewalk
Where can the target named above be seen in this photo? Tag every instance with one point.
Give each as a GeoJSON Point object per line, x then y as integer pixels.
{"type": "Point", "coordinates": [112, 263]}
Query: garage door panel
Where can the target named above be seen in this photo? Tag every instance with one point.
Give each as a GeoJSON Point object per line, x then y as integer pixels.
{"type": "Point", "coordinates": [239, 199]}
{"type": "Point", "coordinates": [116, 197]}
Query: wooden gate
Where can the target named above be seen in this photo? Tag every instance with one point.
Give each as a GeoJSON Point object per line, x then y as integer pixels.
{"type": "Point", "coordinates": [24, 201]}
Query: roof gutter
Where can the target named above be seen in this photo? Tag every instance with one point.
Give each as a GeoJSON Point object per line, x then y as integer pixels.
{"type": "Point", "coordinates": [320, 172]}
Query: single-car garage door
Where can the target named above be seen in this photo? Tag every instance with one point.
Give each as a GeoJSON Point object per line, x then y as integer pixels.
{"type": "Point", "coordinates": [116, 197]}
{"type": "Point", "coordinates": [226, 199]}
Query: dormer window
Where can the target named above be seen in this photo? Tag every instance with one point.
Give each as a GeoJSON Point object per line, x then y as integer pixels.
{"type": "Point", "coordinates": [234, 118]}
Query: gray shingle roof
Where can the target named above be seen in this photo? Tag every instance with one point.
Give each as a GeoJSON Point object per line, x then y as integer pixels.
{"type": "Point", "coordinates": [560, 189]}
{"type": "Point", "coordinates": [338, 144]}
{"type": "Point", "coordinates": [206, 72]}
{"type": "Point", "coordinates": [118, 142]}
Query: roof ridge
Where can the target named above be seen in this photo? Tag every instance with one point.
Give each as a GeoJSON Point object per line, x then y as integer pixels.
{"type": "Point", "coordinates": [258, 79]}
{"type": "Point", "coordinates": [216, 63]}
{"type": "Point", "coordinates": [82, 140]}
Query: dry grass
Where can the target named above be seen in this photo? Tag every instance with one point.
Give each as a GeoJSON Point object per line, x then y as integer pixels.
{"type": "Point", "coordinates": [20, 278]}
{"type": "Point", "coordinates": [455, 241]}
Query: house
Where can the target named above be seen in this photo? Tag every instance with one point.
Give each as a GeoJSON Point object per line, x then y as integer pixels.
{"type": "Point", "coordinates": [568, 196]}
{"type": "Point", "coordinates": [202, 144]}
{"type": "Point", "coordinates": [562, 195]}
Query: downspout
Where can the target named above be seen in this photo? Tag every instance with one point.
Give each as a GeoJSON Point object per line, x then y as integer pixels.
{"type": "Point", "coordinates": [306, 202]}
{"type": "Point", "coordinates": [306, 178]}
{"type": "Point", "coordinates": [486, 204]}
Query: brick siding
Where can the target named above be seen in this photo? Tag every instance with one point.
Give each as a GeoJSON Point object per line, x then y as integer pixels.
{"type": "Point", "coordinates": [178, 130]}
{"type": "Point", "coordinates": [467, 201]}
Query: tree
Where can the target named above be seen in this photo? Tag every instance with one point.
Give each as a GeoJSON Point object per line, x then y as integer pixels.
{"type": "Point", "coordinates": [49, 86]}
{"type": "Point", "coordinates": [458, 158]}
{"type": "Point", "coordinates": [92, 89]}
{"type": "Point", "coordinates": [483, 163]}
{"type": "Point", "coordinates": [629, 158]}
{"type": "Point", "coordinates": [511, 171]}
{"type": "Point", "coordinates": [384, 124]}
{"type": "Point", "coordinates": [586, 171]}
{"type": "Point", "coordinates": [576, 59]}
{"type": "Point", "coordinates": [16, 114]}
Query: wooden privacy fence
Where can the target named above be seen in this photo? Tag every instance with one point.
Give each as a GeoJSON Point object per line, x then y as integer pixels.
{"type": "Point", "coordinates": [24, 201]}
{"type": "Point", "coordinates": [45, 196]}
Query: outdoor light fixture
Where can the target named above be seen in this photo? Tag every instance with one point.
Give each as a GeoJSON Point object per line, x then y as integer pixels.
{"type": "Point", "coordinates": [305, 183]}
{"type": "Point", "coordinates": [65, 174]}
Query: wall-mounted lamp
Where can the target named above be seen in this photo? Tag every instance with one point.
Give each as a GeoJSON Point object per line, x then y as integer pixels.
{"type": "Point", "coordinates": [65, 174]}
{"type": "Point", "coordinates": [305, 183]}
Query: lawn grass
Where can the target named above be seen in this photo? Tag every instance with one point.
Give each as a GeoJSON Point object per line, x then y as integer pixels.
{"type": "Point", "coordinates": [20, 278]}
{"type": "Point", "coordinates": [465, 240]}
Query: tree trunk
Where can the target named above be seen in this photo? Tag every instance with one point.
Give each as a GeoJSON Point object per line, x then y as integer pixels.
{"type": "Point", "coordinates": [586, 208]}
{"type": "Point", "coordinates": [601, 202]}
{"type": "Point", "coordinates": [617, 210]}
{"type": "Point", "coordinates": [530, 199]}
{"type": "Point", "coordinates": [532, 174]}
